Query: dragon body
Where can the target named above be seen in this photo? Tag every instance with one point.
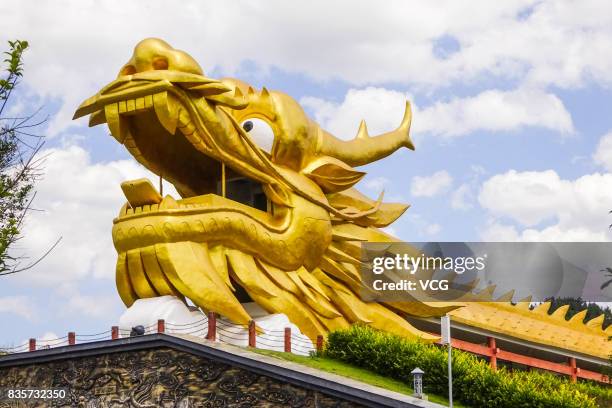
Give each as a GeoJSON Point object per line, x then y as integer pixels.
{"type": "Point", "coordinates": [299, 253]}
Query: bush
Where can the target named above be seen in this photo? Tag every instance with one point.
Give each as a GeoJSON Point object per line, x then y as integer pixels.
{"type": "Point", "coordinates": [474, 383]}
{"type": "Point", "coordinates": [602, 395]}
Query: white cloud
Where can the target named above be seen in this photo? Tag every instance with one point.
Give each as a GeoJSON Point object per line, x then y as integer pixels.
{"type": "Point", "coordinates": [18, 305]}
{"type": "Point", "coordinates": [528, 197]}
{"type": "Point", "coordinates": [433, 229]}
{"type": "Point", "coordinates": [75, 51]}
{"type": "Point", "coordinates": [499, 232]}
{"type": "Point", "coordinates": [491, 110]}
{"type": "Point", "coordinates": [79, 200]}
{"type": "Point", "coordinates": [92, 306]}
{"type": "Point", "coordinates": [429, 186]}
{"type": "Point", "coordinates": [421, 226]}
{"type": "Point", "coordinates": [603, 154]}
{"type": "Point", "coordinates": [461, 198]}
{"type": "Point", "coordinates": [49, 336]}
{"type": "Point", "coordinates": [495, 111]}
{"type": "Point", "coordinates": [391, 231]}
{"type": "Point", "coordinates": [377, 183]}
{"type": "Point", "coordinates": [577, 208]}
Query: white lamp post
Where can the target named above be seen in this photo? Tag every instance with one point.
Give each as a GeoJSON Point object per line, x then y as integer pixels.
{"type": "Point", "coordinates": [417, 374]}
{"type": "Point", "coordinates": [446, 339]}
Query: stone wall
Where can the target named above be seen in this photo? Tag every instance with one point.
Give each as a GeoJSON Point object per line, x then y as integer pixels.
{"type": "Point", "coordinates": [161, 377]}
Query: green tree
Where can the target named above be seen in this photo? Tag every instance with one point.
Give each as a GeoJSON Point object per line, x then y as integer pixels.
{"type": "Point", "coordinates": [608, 274]}
{"type": "Point", "coordinates": [578, 305]}
{"type": "Point", "coordinates": [593, 310]}
{"type": "Point", "coordinates": [607, 271]}
{"type": "Point", "coordinates": [19, 162]}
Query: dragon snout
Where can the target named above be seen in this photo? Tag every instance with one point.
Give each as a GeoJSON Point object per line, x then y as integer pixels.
{"type": "Point", "coordinates": [153, 54]}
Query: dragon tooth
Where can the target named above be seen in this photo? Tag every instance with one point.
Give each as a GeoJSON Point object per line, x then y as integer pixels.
{"type": "Point", "coordinates": [166, 109]}
{"type": "Point", "coordinates": [123, 209]}
{"type": "Point", "coordinates": [116, 124]}
{"type": "Point", "coordinates": [131, 105]}
{"type": "Point", "coordinates": [140, 103]}
{"type": "Point", "coordinates": [168, 203]}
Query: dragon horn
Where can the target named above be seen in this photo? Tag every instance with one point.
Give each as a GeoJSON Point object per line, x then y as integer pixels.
{"type": "Point", "coordinates": [365, 149]}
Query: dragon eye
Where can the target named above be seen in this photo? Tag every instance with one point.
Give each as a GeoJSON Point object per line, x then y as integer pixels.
{"type": "Point", "coordinates": [261, 133]}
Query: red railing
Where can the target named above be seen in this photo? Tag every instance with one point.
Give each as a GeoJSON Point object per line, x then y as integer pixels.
{"type": "Point", "coordinates": [494, 354]}
{"type": "Point", "coordinates": [217, 330]}
{"type": "Point", "coordinates": [291, 343]}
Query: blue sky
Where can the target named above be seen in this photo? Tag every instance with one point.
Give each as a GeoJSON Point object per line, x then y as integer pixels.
{"type": "Point", "coordinates": [512, 120]}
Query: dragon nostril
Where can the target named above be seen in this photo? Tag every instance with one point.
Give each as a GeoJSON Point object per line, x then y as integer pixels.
{"type": "Point", "coordinates": [160, 63]}
{"type": "Point", "coordinates": [128, 70]}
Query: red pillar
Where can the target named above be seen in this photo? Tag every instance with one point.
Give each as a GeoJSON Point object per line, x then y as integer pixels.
{"type": "Point", "coordinates": [252, 338]}
{"type": "Point", "coordinates": [287, 339]}
{"type": "Point", "coordinates": [319, 343]}
{"type": "Point", "coordinates": [114, 332]}
{"type": "Point", "coordinates": [161, 326]}
{"type": "Point", "coordinates": [212, 326]}
{"type": "Point", "coordinates": [493, 356]}
{"type": "Point", "coordinates": [71, 339]}
{"type": "Point", "coordinates": [571, 361]}
{"type": "Point", "coordinates": [32, 345]}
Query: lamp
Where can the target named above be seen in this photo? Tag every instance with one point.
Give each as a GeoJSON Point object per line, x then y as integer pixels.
{"type": "Point", "coordinates": [417, 374]}
{"type": "Point", "coordinates": [137, 331]}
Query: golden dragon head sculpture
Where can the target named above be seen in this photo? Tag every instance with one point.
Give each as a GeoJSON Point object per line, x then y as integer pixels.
{"type": "Point", "coordinates": [267, 213]}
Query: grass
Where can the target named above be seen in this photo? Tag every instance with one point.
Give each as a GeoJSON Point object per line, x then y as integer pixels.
{"type": "Point", "coordinates": [356, 373]}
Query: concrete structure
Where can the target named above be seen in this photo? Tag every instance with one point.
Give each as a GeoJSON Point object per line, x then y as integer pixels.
{"type": "Point", "coordinates": [161, 370]}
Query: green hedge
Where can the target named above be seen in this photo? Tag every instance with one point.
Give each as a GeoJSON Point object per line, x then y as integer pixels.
{"type": "Point", "coordinates": [474, 383]}
{"type": "Point", "coordinates": [602, 394]}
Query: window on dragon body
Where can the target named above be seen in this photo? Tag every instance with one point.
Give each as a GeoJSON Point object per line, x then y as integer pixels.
{"type": "Point", "coordinates": [244, 191]}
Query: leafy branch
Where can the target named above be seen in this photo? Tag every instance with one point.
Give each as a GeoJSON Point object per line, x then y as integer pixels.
{"type": "Point", "coordinates": [20, 163]}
